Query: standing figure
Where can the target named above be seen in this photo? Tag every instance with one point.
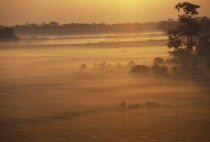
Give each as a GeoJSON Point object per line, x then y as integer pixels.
{"type": "Point", "coordinates": [123, 105]}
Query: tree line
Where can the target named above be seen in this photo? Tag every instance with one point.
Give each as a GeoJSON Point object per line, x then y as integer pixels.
{"type": "Point", "coordinates": [54, 28]}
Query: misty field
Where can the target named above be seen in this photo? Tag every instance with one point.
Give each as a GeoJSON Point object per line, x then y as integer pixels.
{"type": "Point", "coordinates": [44, 96]}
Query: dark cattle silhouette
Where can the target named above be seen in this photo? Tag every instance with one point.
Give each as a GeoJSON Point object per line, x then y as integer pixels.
{"type": "Point", "coordinates": [124, 105]}
{"type": "Point", "coordinates": [151, 105]}
{"type": "Point", "coordinates": [134, 106]}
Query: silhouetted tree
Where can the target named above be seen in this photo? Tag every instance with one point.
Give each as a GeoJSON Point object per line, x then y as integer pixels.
{"type": "Point", "coordinates": [158, 60]}
{"type": "Point", "coordinates": [7, 34]}
{"type": "Point", "coordinates": [138, 69]}
{"type": "Point", "coordinates": [159, 70]}
{"type": "Point", "coordinates": [183, 39]}
{"type": "Point", "coordinates": [131, 64]}
{"type": "Point", "coordinates": [203, 51]}
{"type": "Point", "coordinates": [168, 25]}
{"type": "Point", "coordinates": [2, 26]}
{"type": "Point", "coordinates": [54, 24]}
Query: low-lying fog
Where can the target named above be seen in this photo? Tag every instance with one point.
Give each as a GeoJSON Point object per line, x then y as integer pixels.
{"type": "Point", "coordinates": [45, 97]}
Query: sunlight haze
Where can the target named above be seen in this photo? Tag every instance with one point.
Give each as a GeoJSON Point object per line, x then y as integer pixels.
{"type": "Point", "coordinates": [104, 70]}
{"type": "Point", "coordinates": [90, 11]}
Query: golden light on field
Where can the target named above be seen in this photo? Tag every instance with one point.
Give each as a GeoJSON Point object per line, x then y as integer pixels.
{"type": "Point", "coordinates": [66, 71]}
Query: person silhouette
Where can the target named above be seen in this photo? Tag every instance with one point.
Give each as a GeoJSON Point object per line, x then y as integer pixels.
{"type": "Point", "coordinates": [123, 104]}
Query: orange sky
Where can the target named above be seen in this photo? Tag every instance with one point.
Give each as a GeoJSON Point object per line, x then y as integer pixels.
{"type": "Point", "coordinates": [89, 11]}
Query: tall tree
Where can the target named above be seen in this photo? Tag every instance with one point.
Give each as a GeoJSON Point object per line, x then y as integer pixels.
{"type": "Point", "coordinates": [183, 38]}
